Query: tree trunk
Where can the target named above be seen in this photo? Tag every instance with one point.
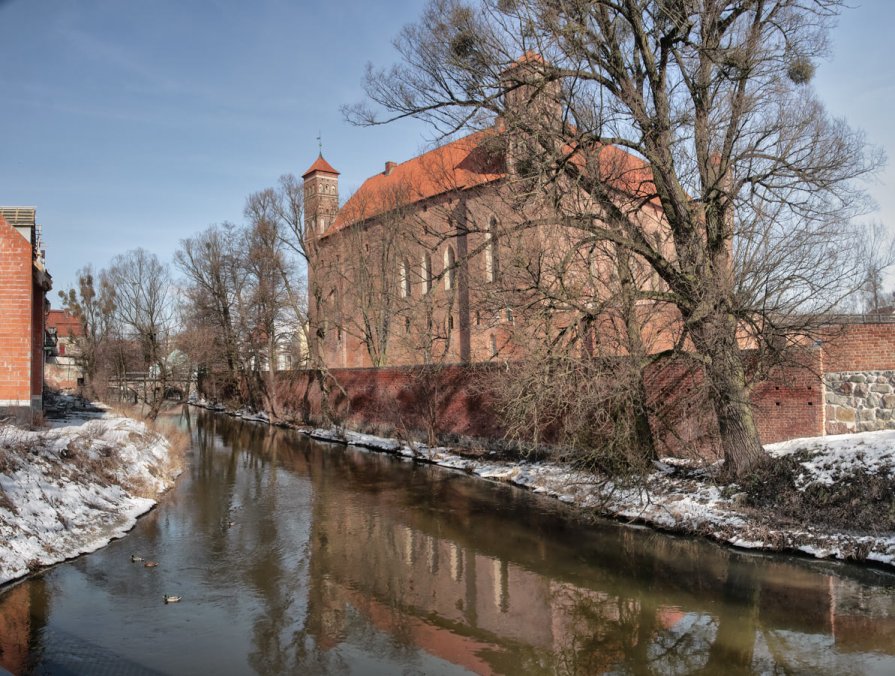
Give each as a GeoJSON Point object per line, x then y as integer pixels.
{"type": "Point", "coordinates": [726, 381]}
{"type": "Point", "coordinates": [634, 328]}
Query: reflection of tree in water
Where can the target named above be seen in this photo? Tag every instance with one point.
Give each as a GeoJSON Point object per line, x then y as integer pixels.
{"type": "Point", "coordinates": [383, 535]}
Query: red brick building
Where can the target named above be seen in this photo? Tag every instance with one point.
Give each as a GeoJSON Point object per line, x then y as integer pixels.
{"type": "Point", "coordinates": [420, 264]}
{"type": "Point", "coordinates": [63, 368]}
{"type": "Point", "coordinates": [24, 283]}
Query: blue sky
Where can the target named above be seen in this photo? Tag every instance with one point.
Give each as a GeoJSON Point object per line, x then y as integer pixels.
{"type": "Point", "coordinates": [138, 124]}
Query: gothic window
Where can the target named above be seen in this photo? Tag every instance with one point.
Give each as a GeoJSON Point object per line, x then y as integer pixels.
{"type": "Point", "coordinates": [450, 269]}
{"type": "Point", "coordinates": [491, 260]}
{"type": "Point", "coordinates": [426, 272]}
{"type": "Point", "coordinates": [404, 280]}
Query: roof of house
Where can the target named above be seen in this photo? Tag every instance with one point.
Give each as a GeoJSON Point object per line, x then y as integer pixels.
{"type": "Point", "coordinates": [19, 217]}
{"type": "Point", "coordinates": [322, 165]}
{"type": "Point", "coordinates": [464, 163]}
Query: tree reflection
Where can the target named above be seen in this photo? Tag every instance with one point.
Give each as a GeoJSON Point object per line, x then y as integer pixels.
{"type": "Point", "coordinates": [336, 561]}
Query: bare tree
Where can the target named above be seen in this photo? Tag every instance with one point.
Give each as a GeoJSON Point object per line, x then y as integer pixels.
{"type": "Point", "coordinates": [372, 267]}
{"type": "Point", "coordinates": [144, 310]}
{"type": "Point", "coordinates": [877, 255]}
{"type": "Point", "coordinates": [209, 261]}
{"type": "Point", "coordinates": [93, 305]}
{"type": "Point", "coordinates": [271, 279]}
{"type": "Point", "coordinates": [723, 141]}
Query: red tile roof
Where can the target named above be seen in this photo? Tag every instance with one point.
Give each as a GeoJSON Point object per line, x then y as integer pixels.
{"type": "Point", "coordinates": [467, 162]}
{"type": "Point", "coordinates": [320, 164]}
{"type": "Point", "coordinates": [471, 161]}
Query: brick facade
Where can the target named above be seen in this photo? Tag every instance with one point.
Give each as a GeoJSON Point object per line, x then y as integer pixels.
{"type": "Point", "coordinates": [23, 286]}
{"type": "Point", "coordinates": [63, 369]}
{"type": "Point", "coordinates": [789, 404]}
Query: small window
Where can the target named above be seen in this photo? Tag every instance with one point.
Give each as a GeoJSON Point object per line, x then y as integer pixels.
{"type": "Point", "coordinates": [450, 322]}
{"type": "Point", "coordinates": [493, 341]}
{"type": "Point", "coordinates": [407, 325]}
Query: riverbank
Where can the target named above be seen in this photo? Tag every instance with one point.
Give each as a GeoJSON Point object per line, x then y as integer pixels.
{"type": "Point", "coordinates": [74, 486]}
{"type": "Point", "coordinates": [681, 497]}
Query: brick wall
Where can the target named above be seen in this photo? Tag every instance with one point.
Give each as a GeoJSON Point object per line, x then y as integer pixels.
{"type": "Point", "coordinates": [37, 319]}
{"type": "Point", "coordinates": [787, 405]}
{"type": "Point", "coordinates": [393, 400]}
{"type": "Point", "coordinates": [16, 335]}
{"type": "Point", "coordinates": [860, 347]}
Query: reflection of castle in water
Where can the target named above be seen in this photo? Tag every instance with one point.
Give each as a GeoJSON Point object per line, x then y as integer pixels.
{"type": "Point", "coordinates": [519, 602]}
{"type": "Point", "coordinates": [343, 559]}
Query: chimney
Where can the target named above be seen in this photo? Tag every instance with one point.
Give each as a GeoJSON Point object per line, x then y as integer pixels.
{"type": "Point", "coordinates": [389, 166]}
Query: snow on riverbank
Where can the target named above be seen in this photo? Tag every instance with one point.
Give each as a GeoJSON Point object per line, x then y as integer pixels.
{"type": "Point", "coordinates": [71, 489]}
{"type": "Point", "coordinates": [685, 501]}
{"type": "Point", "coordinates": [677, 497]}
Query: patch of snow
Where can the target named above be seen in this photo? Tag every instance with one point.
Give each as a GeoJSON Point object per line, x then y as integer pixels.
{"type": "Point", "coordinates": [371, 442]}
{"type": "Point", "coordinates": [678, 495]}
{"type": "Point", "coordinates": [72, 488]}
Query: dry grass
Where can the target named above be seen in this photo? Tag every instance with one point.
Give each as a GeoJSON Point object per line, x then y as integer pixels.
{"type": "Point", "coordinates": [179, 441]}
{"type": "Point", "coordinates": [859, 500]}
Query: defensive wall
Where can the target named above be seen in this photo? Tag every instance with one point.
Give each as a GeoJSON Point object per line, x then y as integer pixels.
{"type": "Point", "coordinates": [844, 383]}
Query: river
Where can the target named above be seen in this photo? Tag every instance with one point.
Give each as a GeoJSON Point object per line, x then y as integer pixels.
{"type": "Point", "coordinates": [299, 557]}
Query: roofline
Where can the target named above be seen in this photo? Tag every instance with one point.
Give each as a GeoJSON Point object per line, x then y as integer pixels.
{"type": "Point", "coordinates": [352, 224]}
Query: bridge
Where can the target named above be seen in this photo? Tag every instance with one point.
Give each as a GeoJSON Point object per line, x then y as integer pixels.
{"type": "Point", "coordinates": [146, 386]}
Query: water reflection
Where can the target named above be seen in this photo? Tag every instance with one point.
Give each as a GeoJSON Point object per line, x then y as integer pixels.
{"type": "Point", "coordinates": [299, 558]}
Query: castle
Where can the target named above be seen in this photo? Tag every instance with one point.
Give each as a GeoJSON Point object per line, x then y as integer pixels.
{"type": "Point", "coordinates": [431, 260]}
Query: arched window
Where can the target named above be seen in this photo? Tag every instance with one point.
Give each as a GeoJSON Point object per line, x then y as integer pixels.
{"type": "Point", "coordinates": [426, 272]}
{"type": "Point", "coordinates": [404, 279]}
{"type": "Point", "coordinates": [450, 269]}
{"type": "Point", "coordinates": [408, 289]}
{"type": "Point", "coordinates": [492, 264]}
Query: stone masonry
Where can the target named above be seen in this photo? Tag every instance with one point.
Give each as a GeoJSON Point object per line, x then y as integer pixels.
{"type": "Point", "coordinates": [859, 401]}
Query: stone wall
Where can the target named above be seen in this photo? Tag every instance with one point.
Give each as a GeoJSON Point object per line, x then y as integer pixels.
{"type": "Point", "coordinates": [859, 401]}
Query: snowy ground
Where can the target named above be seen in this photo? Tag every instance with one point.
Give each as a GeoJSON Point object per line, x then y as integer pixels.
{"type": "Point", "coordinates": [74, 487]}
{"type": "Point", "coordinates": [679, 501]}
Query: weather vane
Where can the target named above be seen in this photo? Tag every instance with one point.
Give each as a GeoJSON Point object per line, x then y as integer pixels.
{"type": "Point", "coordinates": [319, 142]}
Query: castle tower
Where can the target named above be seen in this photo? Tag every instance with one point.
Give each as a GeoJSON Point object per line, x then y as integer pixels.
{"type": "Point", "coordinates": [532, 113]}
{"type": "Point", "coordinates": [321, 183]}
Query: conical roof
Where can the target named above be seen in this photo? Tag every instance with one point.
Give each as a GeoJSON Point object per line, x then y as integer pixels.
{"type": "Point", "coordinates": [320, 164]}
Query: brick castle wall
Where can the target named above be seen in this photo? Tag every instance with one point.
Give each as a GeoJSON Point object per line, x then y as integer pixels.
{"type": "Point", "coordinates": [787, 405]}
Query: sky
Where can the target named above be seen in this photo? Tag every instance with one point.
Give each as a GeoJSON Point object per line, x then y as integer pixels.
{"type": "Point", "coordinates": [139, 124]}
